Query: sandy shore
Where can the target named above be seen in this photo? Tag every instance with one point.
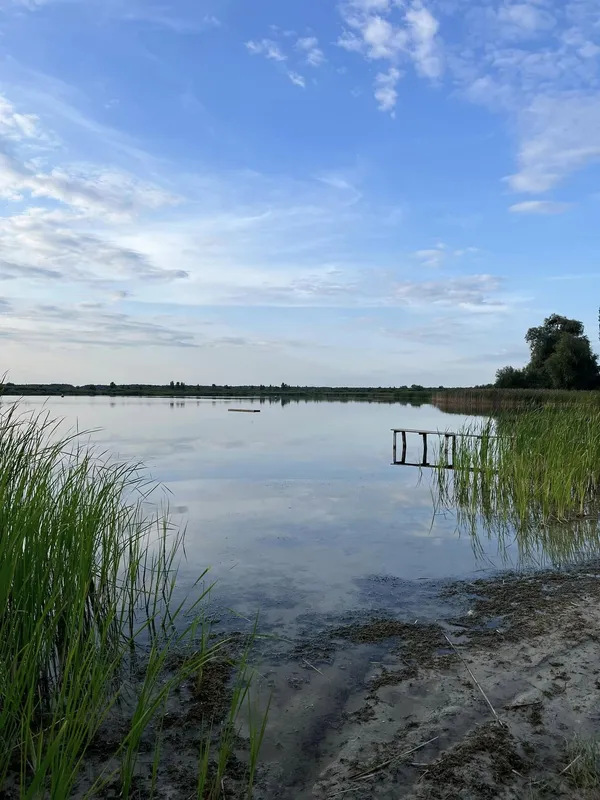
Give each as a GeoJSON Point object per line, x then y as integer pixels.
{"type": "Point", "coordinates": [486, 704]}
{"type": "Point", "coordinates": [490, 700]}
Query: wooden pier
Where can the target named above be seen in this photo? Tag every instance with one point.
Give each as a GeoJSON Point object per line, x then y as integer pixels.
{"type": "Point", "coordinates": [449, 447]}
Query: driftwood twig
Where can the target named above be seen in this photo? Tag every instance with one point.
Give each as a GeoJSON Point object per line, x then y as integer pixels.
{"type": "Point", "coordinates": [311, 666]}
{"type": "Point", "coordinates": [475, 681]}
{"type": "Point", "coordinates": [362, 775]}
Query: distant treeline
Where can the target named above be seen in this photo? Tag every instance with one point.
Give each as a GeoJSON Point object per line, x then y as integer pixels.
{"type": "Point", "coordinates": [476, 400]}
{"type": "Point", "coordinates": [179, 389]}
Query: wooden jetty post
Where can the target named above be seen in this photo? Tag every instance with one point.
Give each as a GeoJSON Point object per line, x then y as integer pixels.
{"type": "Point", "coordinates": [449, 447]}
{"type": "Point", "coordinates": [395, 447]}
{"type": "Point", "coordinates": [449, 437]}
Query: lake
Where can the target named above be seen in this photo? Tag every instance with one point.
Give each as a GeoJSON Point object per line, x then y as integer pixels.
{"type": "Point", "coordinates": [297, 509]}
{"type": "Point", "coordinates": [303, 520]}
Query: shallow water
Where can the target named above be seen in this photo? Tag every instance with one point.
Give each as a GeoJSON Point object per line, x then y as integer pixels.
{"type": "Point", "coordinates": [297, 510]}
{"type": "Point", "coordinates": [302, 518]}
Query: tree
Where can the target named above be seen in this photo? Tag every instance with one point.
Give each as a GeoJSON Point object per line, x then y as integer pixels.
{"type": "Point", "coordinates": [561, 358]}
{"type": "Point", "coordinates": [572, 365]}
{"type": "Point", "coordinates": [113, 385]}
{"type": "Point", "coordinates": [510, 378]}
{"type": "Point", "coordinates": [172, 385]}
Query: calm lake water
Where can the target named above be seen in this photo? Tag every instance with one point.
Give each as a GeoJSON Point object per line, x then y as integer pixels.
{"type": "Point", "coordinates": [296, 509]}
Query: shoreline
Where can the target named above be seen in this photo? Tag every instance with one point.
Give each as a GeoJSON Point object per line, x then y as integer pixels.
{"type": "Point", "coordinates": [495, 710]}
{"type": "Point", "coordinates": [497, 699]}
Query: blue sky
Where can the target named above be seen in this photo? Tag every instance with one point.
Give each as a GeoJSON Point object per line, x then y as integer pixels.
{"type": "Point", "coordinates": [356, 192]}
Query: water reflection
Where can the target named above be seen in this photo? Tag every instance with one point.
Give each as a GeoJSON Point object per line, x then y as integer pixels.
{"type": "Point", "coordinates": [294, 508]}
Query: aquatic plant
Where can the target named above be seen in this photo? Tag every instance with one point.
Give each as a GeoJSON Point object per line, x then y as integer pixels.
{"type": "Point", "coordinates": [534, 473]}
{"type": "Point", "coordinates": [87, 576]}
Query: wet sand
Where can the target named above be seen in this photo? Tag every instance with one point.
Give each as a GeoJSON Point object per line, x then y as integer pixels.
{"type": "Point", "coordinates": [482, 702]}
{"type": "Point", "coordinates": [391, 708]}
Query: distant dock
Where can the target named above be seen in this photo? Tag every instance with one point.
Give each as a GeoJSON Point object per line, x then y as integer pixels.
{"type": "Point", "coordinates": [245, 410]}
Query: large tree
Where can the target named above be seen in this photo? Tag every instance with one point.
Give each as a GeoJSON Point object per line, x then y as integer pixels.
{"type": "Point", "coordinates": [561, 358]}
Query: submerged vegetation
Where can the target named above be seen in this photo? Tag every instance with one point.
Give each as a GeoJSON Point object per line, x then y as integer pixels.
{"type": "Point", "coordinates": [530, 472]}
{"type": "Point", "coordinates": [88, 629]}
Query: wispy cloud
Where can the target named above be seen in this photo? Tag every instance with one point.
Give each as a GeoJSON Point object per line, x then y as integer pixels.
{"type": "Point", "coordinates": [472, 293]}
{"type": "Point", "coordinates": [267, 48]}
{"type": "Point", "coordinates": [560, 134]}
{"type": "Point", "coordinates": [386, 92]}
{"type": "Point", "coordinates": [309, 47]}
{"type": "Point", "coordinates": [145, 12]}
{"type": "Point", "coordinates": [306, 51]}
{"type": "Point", "coordinates": [424, 47]}
{"type": "Point", "coordinates": [432, 257]}
{"type": "Point", "coordinates": [575, 276]}
{"type": "Point", "coordinates": [539, 207]}
{"type": "Point", "coordinates": [297, 79]}
{"type": "Point", "coordinates": [68, 236]}
{"type": "Point", "coordinates": [537, 62]}
{"type": "Point", "coordinates": [42, 245]}
{"type": "Point", "coordinates": [441, 254]}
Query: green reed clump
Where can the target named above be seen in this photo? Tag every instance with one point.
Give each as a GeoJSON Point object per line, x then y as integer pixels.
{"type": "Point", "coordinates": [530, 471]}
{"type": "Point", "coordinates": [86, 583]}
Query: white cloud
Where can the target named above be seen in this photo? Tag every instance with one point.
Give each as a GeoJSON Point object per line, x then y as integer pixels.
{"type": "Point", "coordinates": [538, 207]}
{"type": "Point", "coordinates": [393, 32]}
{"type": "Point", "coordinates": [84, 187]}
{"type": "Point", "coordinates": [40, 245]}
{"type": "Point", "coordinates": [273, 51]}
{"type": "Point", "coordinates": [386, 93]}
{"type": "Point", "coordinates": [438, 255]}
{"type": "Point", "coordinates": [433, 257]}
{"type": "Point", "coordinates": [538, 63]}
{"type": "Point", "coordinates": [15, 126]}
{"type": "Point", "coordinates": [470, 293]}
{"type": "Point", "coordinates": [425, 48]}
{"type": "Point", "coordinates": [267, 48]}
{"type": "Point", "coordinates": [524, 19]}
{"type": "Point", "coordinates": [376, 38]}
{"type": "Point", "coordinates": [309, 46]}
{"type": "Point", "coordinates": [111, 193]}
{"type": "Point", "coordinates": [90, 325]}
{"type": "Point", "coordinates": [560, 134]}
{"type": "Point", "coordinates": [296, 79]}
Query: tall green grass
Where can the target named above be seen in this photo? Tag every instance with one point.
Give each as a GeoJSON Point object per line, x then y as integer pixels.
{"type": "Point", "coordinates": [534, 473]}
{"type": "Point", "coordinates": [87, 576]}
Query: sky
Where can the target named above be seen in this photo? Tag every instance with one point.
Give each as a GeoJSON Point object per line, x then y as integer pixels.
{"type": "Point", "coordinates": [363, 192]}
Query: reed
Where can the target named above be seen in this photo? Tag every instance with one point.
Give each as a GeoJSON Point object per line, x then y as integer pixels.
{"type": "Point", "coordinates": [488, 400]}
{"type": "Point", "coordinates": [534, 473]}
{"type": "Point", "coordinates": [87, 575]}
